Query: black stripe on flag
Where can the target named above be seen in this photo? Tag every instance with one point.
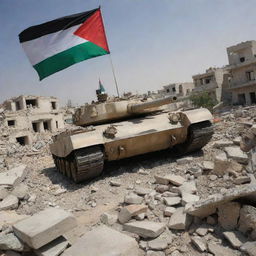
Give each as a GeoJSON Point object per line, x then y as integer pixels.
{"type": "Point", "coordinates": [54, 26]}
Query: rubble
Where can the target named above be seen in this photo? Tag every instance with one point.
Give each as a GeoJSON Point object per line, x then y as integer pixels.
{"type": "Point", "coordinates": [37, 232]}
{"type": "Point", "coordinates": [179, 220]}
{"type": "Point", "coordinates": [111, 243]}
{"type": "Point", "coordinates": [14, 176]}
{"type": "Point", "coordinates": [235, 238]}
{"type": "Point", "coordinates": [145, 229]}
{"type": "Point", "coordinates": [130, 211]}
{"type": "Point", "coordinates": [9, 203]}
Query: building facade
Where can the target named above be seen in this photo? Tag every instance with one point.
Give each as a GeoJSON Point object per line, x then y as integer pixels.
{"type": "Point", "coordinates": [27, 115]}
{"type": "Point", "coordinates": [242, 68]}
{"type": "Point", "coordinates": [215, 81]}
{"type": "Point", "coordinates": [177, 89]}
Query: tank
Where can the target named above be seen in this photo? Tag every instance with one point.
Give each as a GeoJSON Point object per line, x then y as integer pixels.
{"type": "Point", "coordinates": [114, 130]}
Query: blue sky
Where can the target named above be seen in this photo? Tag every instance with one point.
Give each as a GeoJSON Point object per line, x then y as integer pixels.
{"type": "Point", "coordinates": [152, 43]}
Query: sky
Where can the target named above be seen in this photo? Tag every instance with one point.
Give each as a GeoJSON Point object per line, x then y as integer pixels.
{"type": "Point", "coordinates": [152, 43]}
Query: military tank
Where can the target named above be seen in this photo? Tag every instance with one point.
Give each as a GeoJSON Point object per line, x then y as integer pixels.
{"type": "Point", "coordinates": [113, 130]}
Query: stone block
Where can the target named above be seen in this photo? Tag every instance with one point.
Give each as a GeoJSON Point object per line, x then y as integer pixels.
{"type": "Point", "coordinates": [208, 165]}
{"type": "Point", "coordinates": [237, 154]}
{"type": "Point", "coordinates": [130, 211]}
{"type": "Point", "coordinates": [228, 215]}
{"type": "Point", "coordinates": [54, 248]}
{"type": "Point", "coordinates": [44, 227]}
{"type": "Point", "coordinates": [145, 229]}
{"type": "Point", "coordinates": [103, 241]}
{"type": "Point", "coordinates": [179, 220]}
{"type": "Point", "coordinates": [10, 218]}
{"type": "Point", "coordinates": [108, 218]}
{"type": "Point", "coordinates": [189, 187]}
{"type": "Point", "coordinates": [143, 191]}
{"type": "Point", "coordinates": [169, 201]}
{"type": "Point", "coordinates": [188, 198]}
{"type": "Point", "coordinates": [161, 180]}
{"type": "Point", "coordinates": [168, 212]}
{"type": "Point", "coordinates": [14, 176]}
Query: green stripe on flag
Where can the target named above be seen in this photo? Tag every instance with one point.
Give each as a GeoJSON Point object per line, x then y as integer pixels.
{"type": "Point", "coordinates": [67, 58]}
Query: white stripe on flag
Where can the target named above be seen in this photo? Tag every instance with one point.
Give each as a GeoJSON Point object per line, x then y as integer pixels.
{"type": "Point", "coordinates": [46, 46]}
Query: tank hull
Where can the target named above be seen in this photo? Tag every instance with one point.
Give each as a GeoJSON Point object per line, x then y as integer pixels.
{"type": "Point", "coordinates": [133, 137]}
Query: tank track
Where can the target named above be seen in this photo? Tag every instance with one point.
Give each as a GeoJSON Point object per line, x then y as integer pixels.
{"type": "Point", "coordinates": [81, 165]}
{"type": "Point", "coordinates": [198, 136]}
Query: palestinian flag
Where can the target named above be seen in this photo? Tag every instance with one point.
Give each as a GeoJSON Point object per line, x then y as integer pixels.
{"type": "Point", "coordinates": [60, 43]}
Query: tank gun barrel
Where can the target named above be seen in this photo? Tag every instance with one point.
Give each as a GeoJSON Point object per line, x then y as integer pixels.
{"type": "Point", "coordinates": [136, 108]}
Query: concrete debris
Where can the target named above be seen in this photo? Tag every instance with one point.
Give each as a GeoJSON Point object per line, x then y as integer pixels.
{"type": "Point", "coordinates": [235, 238]}
{"type": "Point", "coordinates": [20, 191]}
{"type": "Point", "coordinates": [8, 218]}
{"type": "Point", "coordinates": [219, 250]}
{"type": "Point", "coordinates": [228, 215]}
{"type": "Point", "coordinates": [37, 232]}
{"type": "Point", "coordinates": [10, 202]}
{"type": "Point", "coordinates": [143, 191]}
{"type": "Point", "coordinates": [14, 176]}
{"type": "Point", "coordinates": [10, 242]}
{"type": "Point", "coordinates": [130, 211]}
{"type": "Point", "coordinates": [199, 243]}
{"type": "Point", "coordinates": [222, 143]}
{"type": "Point", "coordinates": [115, 183]}
{"type": "Point", "coordinates": [208, 165]}
{"type": "Point", "coordinates": [170, 201]}
{"type": "Point", "coordinates": [242, 180]}
{"type": "Point", "coordinates": [188, 198]}
{"type": "Point", "coordinates": [175, 179]}
{"type": "Point", "coordinates": [247, 220]}
{"type": "Point", "coordinates": [108, 218]}
{"type": "Point", "coordinates": [145, 229]}
{"type": "Point", "coordinates": [3, 193]}
{"type": "Point", "coordinates": [168, 212]}
{"type": "Point", "coordinates": [154, 253]}
{"type": "Point", "coordinates": [184, 160]}
{"type": "Point", "coordinates": [54, 248]}
{"type": "Point", "coordinates": [237, 154]}
{"type": "Point", "coordinates": [103, 241]}
{"type": "Point", "coordinates": [157, 244]}
{"type": "Point", "coordinates": [188, 187]}
{"type": "Point", "coordinates": [161, 180]}
{"type": "Point", "coordinates": [133, 199]}
{"type": "Point", "coordinates": [179, 220]}
{"type": "Point", "coordinates": [206, 207]}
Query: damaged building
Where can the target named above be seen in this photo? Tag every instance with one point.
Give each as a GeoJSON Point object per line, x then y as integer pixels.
{"type": "Point", "coordinates": [215, 81]}
{"type": "Point", "coordinates": [27, 115]}
{"type": "Point", "coordinates": [242, 67]}
{"type": "Point", "coordinates": [177, 89]}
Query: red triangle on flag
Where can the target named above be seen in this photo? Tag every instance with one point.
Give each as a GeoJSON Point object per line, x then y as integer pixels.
{"type": "Point", "coordinates": [93, 30]}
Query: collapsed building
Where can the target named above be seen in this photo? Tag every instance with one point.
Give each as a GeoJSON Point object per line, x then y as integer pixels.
{"type": "Point", "coordinates": [242, 67]}
{"type": "Point", "coordinates": [27, 115]}
{"type": "Point", "coordinates": [215, 81]}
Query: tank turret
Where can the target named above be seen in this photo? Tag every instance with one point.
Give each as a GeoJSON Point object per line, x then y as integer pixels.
{"type": "Point", "coordinates": [104, 112]}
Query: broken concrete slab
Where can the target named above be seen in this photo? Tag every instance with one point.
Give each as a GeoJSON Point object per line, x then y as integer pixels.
{"type": "Point", "coordinates": [169, 201]}
{"type": "Point", "coordinates": [242, 180]}
{"type": "Point", "coordinates": [189, 187]}
{"type": "Point", "coordinates": [208, 206]}
{"type": "Point", "coordinates": [188, 198]}
{"type": "Point", "coordinates": [143, 191]}
{"type": "Point", "coordinates": [157, 244]}
{"type": "Point", "coordinates": [4, 192]}
{"type": "Point", "coordinates": [161, 180]}
{"type": "Point", "coordinates": [54, 248]}
{"type": "Point", "coordinates": [179, 220]}
{"type": "Point", "coordinates": [10, 202]}
{"type": "Point", "coordinates": [228, 215]}
{"type": "Point", "coordinates": [103, 241]}
{"type": "Point", "coordinates": [130, 211]}
{"type": "Point", "coordinates": [208, 165]}
{"type": "Point", "coordinates": [175, 179]}
{"type": "Point", "coordinates": [199, 243]}
{"type": "Point", "coordinates": [132, 198]}
{"type": "Point", "coordinates": [219, 250]}
{"type": "Point", "coordinates": [235, 238]}
{"type": "Point", "coordinates": [237, 154]}
{"type": "Point", "coordinates": [44, 227]}
{"type": "Point", "coordinates": [10, 242]}
{"type": "Point", "coordinates": [154, 253]}
{"type": "Point", "coordinates": [14, 176]}
{"type": "Point", "coordinates": [168, 212]}
{"type": "Point", "coordinates": [145, 229]}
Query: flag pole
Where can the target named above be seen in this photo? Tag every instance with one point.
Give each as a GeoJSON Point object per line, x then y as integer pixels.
{"type": "Point", "coordinates": [111, 62]}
